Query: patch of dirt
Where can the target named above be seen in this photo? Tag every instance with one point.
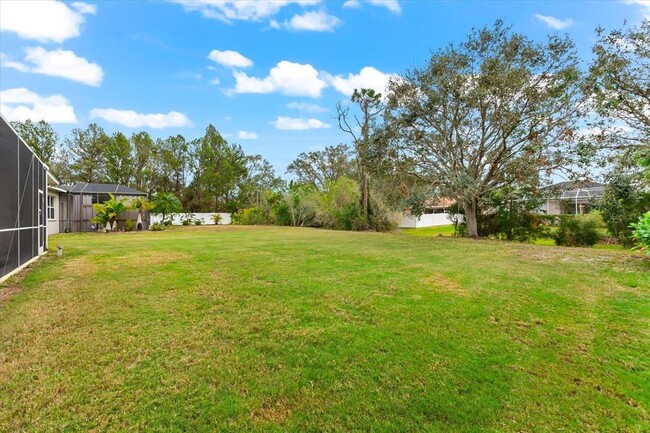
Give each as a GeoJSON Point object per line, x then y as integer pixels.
{"type": "Point", "coordinates": [7, 293]}
{"type": "Point", "coordinates": [442, 283]}
{"type": "Point", "coordinates": [273, 411]}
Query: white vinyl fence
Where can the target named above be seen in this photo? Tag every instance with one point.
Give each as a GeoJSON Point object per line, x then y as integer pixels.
{"type": "Point", "coordinates": [426, 220]}
{"type": "Point", "coordinates": [205, 217]}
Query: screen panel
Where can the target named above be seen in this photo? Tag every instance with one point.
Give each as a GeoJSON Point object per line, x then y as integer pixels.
{"type": "Point", "coordinates": [8, 177]}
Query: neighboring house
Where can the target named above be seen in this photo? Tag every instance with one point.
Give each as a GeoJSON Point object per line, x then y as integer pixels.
{"type": "Point", "coordinates": [74, 210]}
{"type": "Point", "coordinates": [24, 179]}
{"type": "Point", "coordinates": [573, 198]}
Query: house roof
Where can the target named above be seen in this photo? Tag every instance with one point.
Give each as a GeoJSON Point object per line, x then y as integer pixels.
{"type": "Point", "coordinates": [576, 190]}
{"type": "Point", "coordinates": [100, 188]}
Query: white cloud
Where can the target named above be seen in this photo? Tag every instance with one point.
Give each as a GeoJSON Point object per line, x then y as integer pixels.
{"type": "Point", "coordinates": [247, 10]}
{"type": "Point", "coordinates": [644, 7]}
{"type": "Point", "coordinates": [368, 77]}
{"type": "Point", "coordinates": [215, 81]}
{"type": "Point", "coordinates": [85, 8]}
{"type": "Point", "coordinates": [230, 59]}
{"type": "Point", "coordinates": [131, 119]}
{"type": "Point", "coordinates": [298, 124]}
{"type": "Point", "coordinates": [244, 135]}
{"type": "Point", "coordinates": [21, 104]}
{"type": "Point", "coordinates": [306, 107]}
{"type": "Point", "coordinates": [391, 5]}
{"type": "Point", "coordinates": [44, 21]}
{"type": "Point", "coordinates": [554, 23]}
{"type": "Point", "coordinates": [58, 63]}
{"type": "Point", "coordinates": [352, 4]}
{"type": "Point", "coordinates": [314, 21]}
{"type": "Point", "coordinates": [288, 78]}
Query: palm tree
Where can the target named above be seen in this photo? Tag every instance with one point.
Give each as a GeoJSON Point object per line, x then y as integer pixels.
{"type": "Point", "coordinates": [166, 203]}
{"type": "Point", "coordinates": [141, 204]}
{"type": "Point", "coordinates": [106, 213]}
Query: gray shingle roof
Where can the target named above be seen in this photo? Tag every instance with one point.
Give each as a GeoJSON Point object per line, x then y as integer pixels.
{"type": "Point", "coordinates": [101, 188]}
{"type": "Point", "coordinates": [573, 190]}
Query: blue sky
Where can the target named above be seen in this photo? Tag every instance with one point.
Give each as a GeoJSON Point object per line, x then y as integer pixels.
{"type": "Point", "coordinates": [267, 74]}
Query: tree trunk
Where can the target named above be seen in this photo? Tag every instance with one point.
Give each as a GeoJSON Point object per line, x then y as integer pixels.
{"type": "Point", "coordinates": [365, 195]}
{"type": "Point", "coordinates": [470, 218]}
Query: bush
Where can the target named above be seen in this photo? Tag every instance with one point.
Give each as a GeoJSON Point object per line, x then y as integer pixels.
{"type": "Point", "coordinates": [248, 216]}
{"type": "Point", "coordinates": [621, 204]}
{"type": "Point", "coordinates": [188, 219]}
{"type": "Point", "coordinates": [339, 207]}
{"type": "Point", "coordinates": [157, 227]}
{"type": "Point", "coordinates": [198, 222]}
{"type": "Point", "coordinates": [578, 231]}
{"type": "Point", "coordinates": [129, 225]}
{"type": "Point", "coordinates": [641, 233]}
{"type": "Point", "coordinates": [281, 213]}
{"type": "Point", "coordinates": [217, 218]}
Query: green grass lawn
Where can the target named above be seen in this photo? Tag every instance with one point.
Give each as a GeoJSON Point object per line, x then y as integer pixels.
{"type": "Point", "coordinates": [264, 329]}
{"type": "Point", "coordinates": [430, 231]}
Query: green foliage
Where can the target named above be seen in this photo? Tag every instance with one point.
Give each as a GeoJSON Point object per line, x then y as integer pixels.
{"type": "Point", "coordinates": [166, 203]}
{"type": "Point", "coordinates": [322, 167]}
{"type": "Point", "coordinates": [158, 227]}
{"type": "Point", "coordinates": [217, 218]}
{"type": "Point", "coordinates": [621, 204]}
{"type": "Point", "coordinates": [129, 225]}
{"type": "Point", "coordinates": [338, 206]}
{"type": "Point", "coordinates": [198, 222]}
{"type": "Point", "coordinates": [511, 213]}
{"type": "Point", "coordinates": [641, 233]}
{"type": "Point", "coordinates": [109, 211]}
{"type": "Point", "coordinates": [220, 167]}
{"type": "Point", "coordinates": [578, 230]}
{"type": "Point", "coordinates": [188, 219]}
{"type": "Point", "coordinates": [87, 149]}
{"type": "Point", "coordinates": [40, 136]}
{"type": "Point", "coordinates": [141, 204]}
{"type": "Point", "coordinates": [449, 117]}
{"type": "Point", "coordinates": [249, 216]}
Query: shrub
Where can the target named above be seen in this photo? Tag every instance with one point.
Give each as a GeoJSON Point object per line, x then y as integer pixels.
{"type": "Point", "coordinates": [217, 218]}
{"type": "Point", "coordinates": [281, 213]}
{"type": "Point", "coordinates": [188, 219]}
{"type": "Point", "coordinates": [248, 216]}
{"type": "Point", "coordinates": [621, 204]}
{"type": "Point", "coordinates": [339, 207]}
{"type": "Point", "coordinates": [157, 227]}
{"type": "Point", "coordinates": [578, 231]}
{"type": "Point", "coordinates": [641, 233]}
{"type": "Point", "coordinates": [129, 225]}
{"type": "Point", "coordinates": [198, 222]}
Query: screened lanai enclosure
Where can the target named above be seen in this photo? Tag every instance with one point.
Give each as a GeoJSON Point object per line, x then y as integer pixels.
{"type": "Point", "coordinates": [76, 205]}
{"type": "Point", "coordinates": [23, 186]}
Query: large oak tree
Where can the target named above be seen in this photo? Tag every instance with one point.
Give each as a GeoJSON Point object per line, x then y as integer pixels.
{"type": "Point", "coordinates": [494, 110]}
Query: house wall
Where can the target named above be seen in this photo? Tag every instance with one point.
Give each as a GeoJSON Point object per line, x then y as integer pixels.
{"type": "Point", "coordinates": [77, 212]}
{"type": "Point", "coordinates": [23, 188]}
{"type": "Point", "coordinates": [553, 207]}
{"type": "Point", "coordinates": [205, 217]}
{"type": "Point", "coordinates": [53, 223]}
{"type": "Point", "coordinates": [426, 220]}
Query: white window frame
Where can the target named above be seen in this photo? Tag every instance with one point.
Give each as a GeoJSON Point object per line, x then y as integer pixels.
{"type": "Point", "coordinates": [50, 208]}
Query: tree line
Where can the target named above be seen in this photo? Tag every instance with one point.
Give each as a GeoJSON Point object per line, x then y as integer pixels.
{"type": "Point", "coordinates": [487, 122]}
